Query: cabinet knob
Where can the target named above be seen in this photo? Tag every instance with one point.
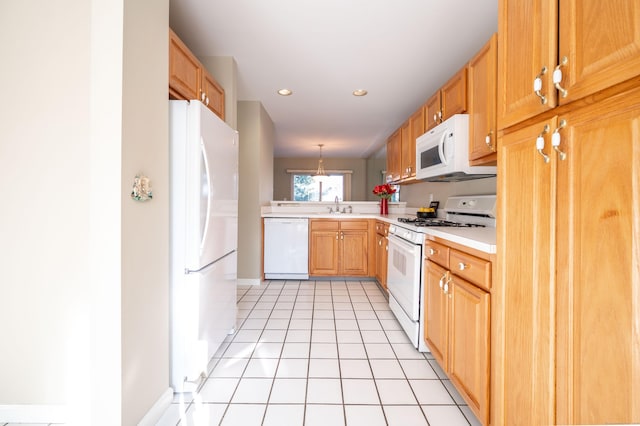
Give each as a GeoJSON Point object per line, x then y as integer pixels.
{"type": "Point", "coordinates": [555, 140]}
{"type": "Point", "coordinates": [462, 266]}
{"type": "Point", "coordinates": [557, 77]}
{"type": "Point", "coordinates": [540, 143]}
{"type": "Point", "coordinates": [431, 251]}
{"type": "Point", "coordinates": [446, 288]}
{"type": "Point", "coordinates": [537, 86]}
{"type": "Point", "coordinates": [487, 140]}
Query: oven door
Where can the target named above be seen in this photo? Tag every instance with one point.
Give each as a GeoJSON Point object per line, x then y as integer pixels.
{"type": "Point", "coordinates": [403, 275]}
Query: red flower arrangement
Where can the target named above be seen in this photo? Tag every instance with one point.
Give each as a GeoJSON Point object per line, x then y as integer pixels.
{"type": "Point", "coordinates": [384, 191]}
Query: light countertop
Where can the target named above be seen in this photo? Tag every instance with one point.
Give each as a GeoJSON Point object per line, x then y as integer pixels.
{"type": "Point", "coordinates": [483, 239]}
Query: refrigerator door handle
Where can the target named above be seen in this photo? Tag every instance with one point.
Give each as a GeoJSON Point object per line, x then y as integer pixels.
{"type": "Point", "coordinates": [206, 169]}
{"type": "Point", "coordinates": [197, 271]}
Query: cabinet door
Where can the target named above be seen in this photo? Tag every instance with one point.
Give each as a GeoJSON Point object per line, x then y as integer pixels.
{"type": "Point", "coordinates": [601, 41]}
{"type": "Point", "coordinates": [379, 247]}
{"type": "Point", "coordinates": [527, 44]}
{"type": "Point", "coordinates": [433, 111]}
{"type": "Point", "coordinates": [598, 237]}
{"type": "Point", "coordinates": [184, 70]}
{"type": "Point", "coordinates": [323, 252]}
{"type": "Point", "coordinates": [354, 253]}
{"type": "Point", "coordinates": [406, 153]}
{"type": "Point", "coordinates": [469, 348]}
{"type": "Point", "coordinates": [214, 94]}
{"type": "Point", "coordinates": [526, 283]}
{"type": "Point", "coordinates": [417, 130]}
{"type": "Point", "coordinates": [482, 104]}
{"type": "Point", "coordinates": [394, 156]}
{"type": "Point", "coordinates": [454, 95]}
{"type": "Point", "coordinates": [436, 312]}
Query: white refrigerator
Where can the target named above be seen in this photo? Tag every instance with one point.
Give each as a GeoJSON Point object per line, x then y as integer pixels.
{"type": "Point", "coordinates": [203, 238]}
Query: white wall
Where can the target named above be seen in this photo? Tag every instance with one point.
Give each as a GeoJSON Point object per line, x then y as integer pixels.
{"type": "Point", "coordinates": [83, 294]}
{"type": "Point", "coordinates": [256, 185]}
{"type": "Point", "coordinates": [44, 187]}
{"type": "Point", "coordinates": [145, 226]}
{"type": "Point", "coordinates": [417, 194]}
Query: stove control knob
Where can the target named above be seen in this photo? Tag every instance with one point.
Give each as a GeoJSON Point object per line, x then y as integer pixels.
{"type": "Point", "coordinates": [472, 203]}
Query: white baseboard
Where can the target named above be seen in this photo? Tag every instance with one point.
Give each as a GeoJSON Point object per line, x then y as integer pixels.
{"type": "Point", "coordinates": [249, 281]}
{"type": "Point", "coordinates": [155, 413]}
{"type": "Point", "coordinates": [33, 413]}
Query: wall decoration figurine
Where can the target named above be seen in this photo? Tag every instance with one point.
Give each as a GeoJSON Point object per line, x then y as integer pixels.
{"type": "Point", "coordinates": [141, 188]}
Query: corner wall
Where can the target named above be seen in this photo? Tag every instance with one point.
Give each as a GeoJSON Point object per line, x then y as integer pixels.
{"type": "Point", "coordinates": [257, 137]}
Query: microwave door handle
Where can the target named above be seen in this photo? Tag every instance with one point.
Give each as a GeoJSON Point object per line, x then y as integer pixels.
{"type": "Point", "coordinates": [441, 148]}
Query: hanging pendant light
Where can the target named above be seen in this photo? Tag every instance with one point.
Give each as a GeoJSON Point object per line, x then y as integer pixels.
{"type": "Point", "coordinates": [320, 173]}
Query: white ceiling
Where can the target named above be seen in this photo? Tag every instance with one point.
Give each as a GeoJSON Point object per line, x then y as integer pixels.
{"type": "Point", "coordinates": [400, 51]}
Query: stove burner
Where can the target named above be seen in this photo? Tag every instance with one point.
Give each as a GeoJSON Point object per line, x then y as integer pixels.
{"type": "Point", "coordinates": [436, 222]}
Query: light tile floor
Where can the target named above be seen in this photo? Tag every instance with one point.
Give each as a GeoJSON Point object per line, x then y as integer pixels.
{"type": "Point", "coordinates": [319, 353]}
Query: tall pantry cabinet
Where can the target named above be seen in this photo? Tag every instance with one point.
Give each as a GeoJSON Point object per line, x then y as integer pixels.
{"type": "Point", "coordinates": [567, 349]}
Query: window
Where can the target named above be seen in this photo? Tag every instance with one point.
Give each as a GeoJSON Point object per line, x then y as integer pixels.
{"type": "Point", "coordinates": [307, 188]}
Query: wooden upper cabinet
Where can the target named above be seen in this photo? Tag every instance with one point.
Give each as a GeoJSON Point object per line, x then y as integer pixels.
{"type": "Point", "coordinates": [454, 95]}
{"type": "Point", "coordinates": [212, 94]}
{"type": "Point", "coordinates": [408, 151]}
{"type": "Point", "coordinates": [417, 129]}
{"type": "Point", "coordinates": [483, 132]}
{"type": "Point", "coordinates": [600, 41]}
{"type": "Point", "coordinates": [449, 100]}
{"type": "Point", "coordinates": [189, 79]}
{"type": "Point", "coordinates": [184, 70]}
{"type": "Point", "coordinates": [394, 156]}
{"type": "Point", "coordinates": [527, 40]}
{"type": "Point", "coordinates": [433, 111]}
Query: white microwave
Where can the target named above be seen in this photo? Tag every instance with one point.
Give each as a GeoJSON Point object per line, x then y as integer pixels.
{"type": "Point", "coordinates": [442, 153]}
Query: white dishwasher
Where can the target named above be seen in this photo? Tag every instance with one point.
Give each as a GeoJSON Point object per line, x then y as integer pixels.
{"type": "Point", "coordinates": [286, 248]}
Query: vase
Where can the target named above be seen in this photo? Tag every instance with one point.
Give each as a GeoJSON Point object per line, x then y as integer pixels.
{"type": "Point", "coordinates": [384, 206]}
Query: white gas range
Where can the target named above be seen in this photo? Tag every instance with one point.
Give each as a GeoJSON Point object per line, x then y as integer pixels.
{"type": "Point", "coordinates": [470, 220]}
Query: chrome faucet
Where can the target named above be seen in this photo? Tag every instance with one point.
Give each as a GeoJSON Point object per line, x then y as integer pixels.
{"type": "Point", "coordinates": [337, 204]}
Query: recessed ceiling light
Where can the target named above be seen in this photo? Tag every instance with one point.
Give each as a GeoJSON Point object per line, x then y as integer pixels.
{"type": "Point", "coordinates": [359, 92]}
{"type": "Point", "coordinates": [285, 92]}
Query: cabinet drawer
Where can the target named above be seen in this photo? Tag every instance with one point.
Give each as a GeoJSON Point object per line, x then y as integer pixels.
{"type": "Point", "coordinates": [437, 253]}
{"type": "Point", "coordinates": [325, 225]}
{"type": "Point", "coordinates": [471, 268]}
{"type": "Point", "coordinates": [382, 228]}
{"type": "Point", "coordinates": [360, 225]}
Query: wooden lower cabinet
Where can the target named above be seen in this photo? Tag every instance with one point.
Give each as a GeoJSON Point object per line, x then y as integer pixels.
{"type": "Point", "coordinates": [457, 323]}
{"type": "Point", "coordinates": [436, 316]}
{"type": "Point", "coordinates": [382, 247]}
{"type": "Point", "coordinates": [568, 284]}
{"type": "Point", "coordinates": [339, 247]}
{"type": "Point", "coordinates": [469, 320]}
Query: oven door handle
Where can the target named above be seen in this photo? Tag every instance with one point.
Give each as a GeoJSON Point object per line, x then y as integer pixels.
{"type": "Point", "coordinates": [407, 246]}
